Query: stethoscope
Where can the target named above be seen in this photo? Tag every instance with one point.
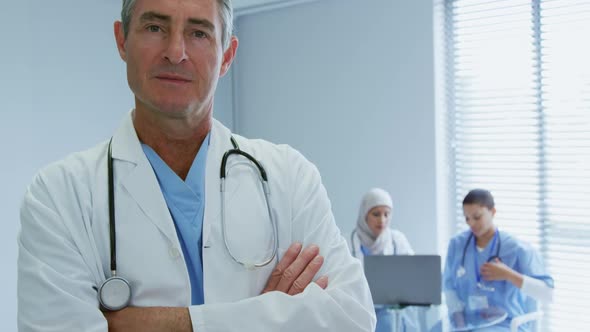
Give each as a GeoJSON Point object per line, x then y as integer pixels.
{"type": "Point", "coordinates": [361, 246]}
{"type": "Point", "coordinates": [264, 180]}
{"type": "Point", "coordinates": [461, 270]}
{"type": "Point", "coordinates": [115, 292]}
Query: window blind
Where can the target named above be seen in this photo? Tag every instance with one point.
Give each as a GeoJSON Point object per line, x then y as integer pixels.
{"type": "Point", "coordinates": [518, 107]}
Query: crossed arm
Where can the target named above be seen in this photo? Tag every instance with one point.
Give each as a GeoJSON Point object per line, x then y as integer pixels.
{"type": "Point", "coordinates": [57, 265]}
{"type": "Point", "coordinates": [293, 273]}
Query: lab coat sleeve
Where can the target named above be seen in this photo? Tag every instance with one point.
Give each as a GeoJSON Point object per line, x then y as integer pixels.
{"type": "Point", "coordinates": [345, 305]}
{"type": "Point", "coordinates": [55, 289]}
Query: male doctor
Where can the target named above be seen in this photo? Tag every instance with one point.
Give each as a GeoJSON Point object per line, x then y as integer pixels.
{"type": "Point", "coordinates": [185, 250]}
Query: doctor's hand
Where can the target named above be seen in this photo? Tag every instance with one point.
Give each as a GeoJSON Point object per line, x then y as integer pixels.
{"type": "Point", "coordinates": [295, 271]}
{"type": "Point", "coordinates": [498, 271]}
{"type": "Point", "coordinates": [495, 271]}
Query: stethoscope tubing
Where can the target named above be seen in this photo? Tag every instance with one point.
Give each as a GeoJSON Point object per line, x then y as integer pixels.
{"type": "Point", "coordinates": [264, 180]}
{"type": "Point", "coordinates": [115, 285]}
{"type": "Point", "coordinates": [115, 292]}
{"type": "Point", "coordinates": [471, 237]}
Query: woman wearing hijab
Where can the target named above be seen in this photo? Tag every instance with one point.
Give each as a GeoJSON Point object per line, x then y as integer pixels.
{"type": "Point", "coordinates": [373, 236]}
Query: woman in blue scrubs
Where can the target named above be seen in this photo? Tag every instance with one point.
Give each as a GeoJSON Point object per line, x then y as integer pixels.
{"type": "Point", "coordinates": [373, 236]}
{"type": "Point", "coordinates": [487, 267]}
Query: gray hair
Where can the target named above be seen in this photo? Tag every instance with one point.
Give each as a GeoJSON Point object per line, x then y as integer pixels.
{"type": "Point", "coordinates": [226, 14]}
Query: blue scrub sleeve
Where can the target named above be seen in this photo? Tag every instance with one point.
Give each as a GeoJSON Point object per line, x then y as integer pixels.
{"type": "Point", "coordinates": [531, 264]}
{"type": "Point", "coordinates": [449, 275]}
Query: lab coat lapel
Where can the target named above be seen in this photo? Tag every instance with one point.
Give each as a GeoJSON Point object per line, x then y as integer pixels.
{"type": "Point", "coordinates": [140, 181]}
{"type": "Point", "coordinates": [220, 142]}
{"type": "Point", "coordinates": [143, 187]}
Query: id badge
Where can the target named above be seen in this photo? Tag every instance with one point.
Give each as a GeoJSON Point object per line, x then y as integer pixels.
{"type": "Point", "coordinates": [478, 302]}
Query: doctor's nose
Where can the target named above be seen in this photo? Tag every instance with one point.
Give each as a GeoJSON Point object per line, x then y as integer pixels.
{"type": "Point", "coordinates": [175, 51]}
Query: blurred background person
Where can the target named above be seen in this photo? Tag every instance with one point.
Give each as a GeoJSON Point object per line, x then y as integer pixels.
{"type": "Point", "coordinates": [488, 268]}
{"type": "Point", "coordinates": [373, 236]}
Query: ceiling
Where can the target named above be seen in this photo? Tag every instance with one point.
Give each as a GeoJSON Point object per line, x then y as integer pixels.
{"type": "Point", "coordinates": [242, 7]}
{"type": "Point", "coordinates": [240, 4]}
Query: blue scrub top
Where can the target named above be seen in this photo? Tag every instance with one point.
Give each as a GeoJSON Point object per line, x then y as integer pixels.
{"type": "Point", "coordinates": [518, 255]}
{"type": "Point", "coordinates": [186, 203]}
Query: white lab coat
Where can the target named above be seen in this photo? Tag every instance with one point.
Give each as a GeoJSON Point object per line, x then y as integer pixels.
{"type": "Point", "coordinates": [64, 251]}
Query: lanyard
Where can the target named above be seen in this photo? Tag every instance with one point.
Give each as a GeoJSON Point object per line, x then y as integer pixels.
{"type": "Point", "coordinates": [477, 274]}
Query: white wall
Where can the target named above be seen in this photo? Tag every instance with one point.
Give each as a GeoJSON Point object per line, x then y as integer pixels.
{"type": "Point", "coordinates": [14, 101]}
{"type": "Point", "coordinates": [350, 83]}
{"type": "Point", "coordinates": [65, 91]}
{"type": "Point", "coordinates": [223, 108]}
{"type": "Point", "coordinates": [63, 88]}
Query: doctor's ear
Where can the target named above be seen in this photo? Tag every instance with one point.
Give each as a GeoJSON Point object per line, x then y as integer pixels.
{"type": "Point", "coordinates": [120, 38]}
{"type": "Point", "coordinates": [493, 211]}
{"type": "Point", "coordinates": [229, 55]}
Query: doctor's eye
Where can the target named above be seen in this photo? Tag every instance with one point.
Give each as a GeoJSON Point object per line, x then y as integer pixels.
{"type": "Point", "coordinates": [199, 34]}
{"type": "Point", "coordinates": [153, 28]}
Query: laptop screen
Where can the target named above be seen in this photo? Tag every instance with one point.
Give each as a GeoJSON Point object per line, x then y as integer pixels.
{"type": "Point", "coordinates": [404, 280]}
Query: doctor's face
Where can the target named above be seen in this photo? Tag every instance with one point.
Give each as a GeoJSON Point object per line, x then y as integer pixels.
{"type": "Point", "coordinates": [174, 55]}
{"type": "Point", "coordinates": [378, 219]}
{"type": "Point", "coordinates": [479, 218]}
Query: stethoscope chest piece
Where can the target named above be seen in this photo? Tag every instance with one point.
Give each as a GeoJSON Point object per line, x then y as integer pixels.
{"type": "Point", "coordinates": [114, 294]}
{"type": "Point", "coordinates": [460, 271]}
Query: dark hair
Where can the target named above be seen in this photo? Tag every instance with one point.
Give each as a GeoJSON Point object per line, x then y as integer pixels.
{"type": "Point", "coordinates": [479, 196]}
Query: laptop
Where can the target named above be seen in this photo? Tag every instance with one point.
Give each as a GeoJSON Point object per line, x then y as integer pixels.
{"type": "Point", "coordinates": [404, 279]}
